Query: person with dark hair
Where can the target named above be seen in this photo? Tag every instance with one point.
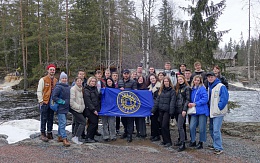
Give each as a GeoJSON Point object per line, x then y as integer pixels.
{"type": "Point", "coordinates": [147, 78]}
{"type": "Point", "coordinates": [77, 107]}
{"type": "Point", "coordinates": [217, 72]}
{"type": "Point", "coordinates": [161, 75]}
{"type": "Point", "coordinates": [61, 95]}
{"type": "Point", "coordinates": [199, 99]}
{"type": "Point", "coordinates": [182, 69]}
{"type": "Point", "coordinates": [82, 76]}
{"type": "Point", "coordinates": [155, 124]}
{"type": "Point", "coordinates": [187, 75]}
{"type": "Point", "coordinates": [92, 107]}
{"type": "Point", "coordinates": [115, 78]}
{"type": "Point", "coordinates": [165, 104]}
{"type": "Point", "coordinates": [182, 101]}
{"type": "Point", "coordinates": [109, 130]}
{"type": "Point", "coordinates": [128, 122]}
{"type": "Point", "coordinates": [44, 90]}
{"type": "Point", "coordinates": [140, 121]}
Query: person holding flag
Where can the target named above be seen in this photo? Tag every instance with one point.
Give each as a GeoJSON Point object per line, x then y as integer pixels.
{"type": "Point", "coordinates": [128, 122]}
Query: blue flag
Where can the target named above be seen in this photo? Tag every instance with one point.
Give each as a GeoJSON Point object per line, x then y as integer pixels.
{"type": "Point", "coordinates": [130, 103]}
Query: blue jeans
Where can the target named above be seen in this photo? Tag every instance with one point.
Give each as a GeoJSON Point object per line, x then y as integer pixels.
{"type": "Point", "coordinates": [201, 121]}
{"type": "Point", "coordinates": [62, 124]}
{"type": "Point", "coordinates": [46, 117]}
{"type": "Point", "coordinates": [215, 131]}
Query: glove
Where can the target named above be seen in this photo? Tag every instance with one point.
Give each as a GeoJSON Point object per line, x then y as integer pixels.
{"type": "Point", "coordinates": [60, 101]}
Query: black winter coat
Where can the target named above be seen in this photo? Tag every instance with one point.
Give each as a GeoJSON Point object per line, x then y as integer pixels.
{"type": "Point", "coordinates": [129, 84]}
{"type": "Point", "coordinates": [165, 101]}
{"type": "Point", "coordinates": [91, 100]}
{"type": "Point", "coordinates": [183, 99]}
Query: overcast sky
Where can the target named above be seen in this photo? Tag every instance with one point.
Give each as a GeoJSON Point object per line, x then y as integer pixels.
{"type": "Point", "coordinates": [234, 17]}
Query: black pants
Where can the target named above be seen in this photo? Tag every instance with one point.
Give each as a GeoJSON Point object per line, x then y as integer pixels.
{"type": "Point", "coordinates": [117, 123]}
{"type": "Point", "coordinates": [181, 123]}
{"type": "Point", "coordinates": [80, 123]}
{"type": "Point", "coordinates": [140, 126]}
{"type": "Point", "coordinates": [155, 124]}
{"type": "Point", "coordinates": [128, 123]}
{"type": "Point", "coordinates": [184, 126]}
{"type": "Point", "coordinates": [93, 125]}
{"type": "Point", "coordinates": [164, 121]}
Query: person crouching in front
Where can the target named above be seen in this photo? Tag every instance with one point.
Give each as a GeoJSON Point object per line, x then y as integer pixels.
{"type": "Point", "coordinates": [61, 95]}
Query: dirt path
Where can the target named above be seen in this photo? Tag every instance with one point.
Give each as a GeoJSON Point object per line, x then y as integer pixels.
{"type": "Point", "coordinates": [236, 149]}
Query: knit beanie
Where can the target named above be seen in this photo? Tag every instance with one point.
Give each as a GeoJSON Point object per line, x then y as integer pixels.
{"type": "Point", "coordinates": [63, 75]}
{"type": "Point", "coordinates": [50, 65]}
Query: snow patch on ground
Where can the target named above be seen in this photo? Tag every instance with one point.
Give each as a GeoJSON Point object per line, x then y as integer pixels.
{"type": "Point", "coordinates": [18, 130]}
{"type": "Point", "coordinates": [240, 85]}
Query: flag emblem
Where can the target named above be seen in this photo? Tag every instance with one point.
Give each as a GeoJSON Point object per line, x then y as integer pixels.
{"type": "Point", "coordinates": [128, 102]}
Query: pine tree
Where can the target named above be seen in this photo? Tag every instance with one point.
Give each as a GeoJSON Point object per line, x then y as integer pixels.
{"type": "Point", "coordinates": [203, 35]}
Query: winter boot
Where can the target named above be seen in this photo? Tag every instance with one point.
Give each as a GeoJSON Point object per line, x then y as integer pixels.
{"type": "Point", "coordinates": [43, 137]}
{"type": "Point", "coordinates": [182, 147]}
{"type": "Point", "coordinates": [200, 145]}
{"type": "Point", "coordinates": [129, 138]}
{"type": "Point", "coordinates": [178, 143]}
{"type": "Point", "coordinates": [66, 143]}
{"type": "Point", "coordinates": [49, 135]}
{"type": "Point", "coordinates": [60, 139]}
{"type": "Point", "coordinates": [192, 144]}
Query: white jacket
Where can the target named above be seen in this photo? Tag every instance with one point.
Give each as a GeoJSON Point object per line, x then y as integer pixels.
{"type": "Point", "coordinates": [214, 100]}
{"type": "Point", "coordinates": [76, 99]}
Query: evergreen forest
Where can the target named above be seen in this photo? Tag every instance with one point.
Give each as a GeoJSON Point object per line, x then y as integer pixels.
{"type": "Point", "coordinates": [115, 34]}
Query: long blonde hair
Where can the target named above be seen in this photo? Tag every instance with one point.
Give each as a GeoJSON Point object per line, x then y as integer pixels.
{"type": "Point", "coordinates": [195, 77]}
{"type": "Point", "coordinates": [162, 84]}
{"type": "Point", "coordinates": [178, 84]}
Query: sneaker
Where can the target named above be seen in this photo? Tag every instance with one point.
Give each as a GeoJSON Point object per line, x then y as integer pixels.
{"type": "Point", "coordinates": [76, 140]}
{"type": "Point", "coordinates": [218, 152]}
{"type": "Point", "coordinates": [210, 146]}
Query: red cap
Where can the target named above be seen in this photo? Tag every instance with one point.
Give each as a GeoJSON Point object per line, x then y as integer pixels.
{"type": "Point", "coordinates": [51, 65]}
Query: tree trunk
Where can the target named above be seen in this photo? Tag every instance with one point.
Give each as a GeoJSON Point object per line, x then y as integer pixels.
{"type": "Point", "coordinates": [109, 28]}
{"type": "Point", "coordinates": [23, 50]}
{"type": "Point", "coordinates": [39, 35]}
{"type": "Point", "coordinates": [67, 37]}
{"type": "Point", "coordinates": [249, 42]}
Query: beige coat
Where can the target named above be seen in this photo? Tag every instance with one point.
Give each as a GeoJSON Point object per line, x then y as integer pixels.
{"type": "Point", "coordinates": [76, 99]}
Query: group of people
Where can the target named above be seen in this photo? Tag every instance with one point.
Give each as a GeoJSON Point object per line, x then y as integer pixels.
{"type": "Point", "coordinates": [174, 93]}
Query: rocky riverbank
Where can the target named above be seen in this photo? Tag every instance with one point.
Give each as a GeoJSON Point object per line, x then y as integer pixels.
{"type": "Point", "coordinates": [240, 140]}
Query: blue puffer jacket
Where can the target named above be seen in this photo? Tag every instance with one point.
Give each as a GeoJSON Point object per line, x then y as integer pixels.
{"type": "Point", "coordinates": [201, 100]}
{"type": "Point", "coordinates": [63, 90]}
